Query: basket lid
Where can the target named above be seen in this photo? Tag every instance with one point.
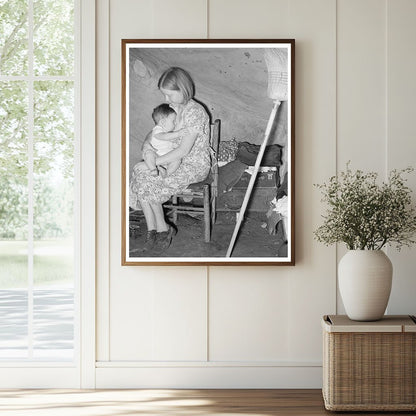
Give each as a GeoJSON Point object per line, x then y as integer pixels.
{"type": "Point", "coordinates": [389, 323]}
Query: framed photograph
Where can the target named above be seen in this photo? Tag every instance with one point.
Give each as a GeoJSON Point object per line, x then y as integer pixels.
{"type": "Point", "coordinates": [208, 156]}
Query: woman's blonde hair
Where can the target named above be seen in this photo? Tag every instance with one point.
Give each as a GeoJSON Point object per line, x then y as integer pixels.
{"type": "Point", "coordinates": [177, 79]}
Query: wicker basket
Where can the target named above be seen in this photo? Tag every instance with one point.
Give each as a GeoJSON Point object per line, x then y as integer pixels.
{"type": "Point", "coordinates": [369, 366]}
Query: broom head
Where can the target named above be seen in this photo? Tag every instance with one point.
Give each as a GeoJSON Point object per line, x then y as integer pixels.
{"type": "Point", "coordinates": [277, 67]}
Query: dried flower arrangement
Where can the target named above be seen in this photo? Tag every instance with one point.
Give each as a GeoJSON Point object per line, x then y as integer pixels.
{"type": "Point", "coordinates": [366, 215]}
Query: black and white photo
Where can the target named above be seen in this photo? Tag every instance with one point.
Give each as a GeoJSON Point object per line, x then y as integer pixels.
{"type": "Point", "coordinates": [208, 152]}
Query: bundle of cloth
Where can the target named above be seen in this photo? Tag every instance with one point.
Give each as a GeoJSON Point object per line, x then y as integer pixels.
{"type": "Point", "coordinates": [245, 155]}
{"type": "Point", "coordinates": [227, 150]}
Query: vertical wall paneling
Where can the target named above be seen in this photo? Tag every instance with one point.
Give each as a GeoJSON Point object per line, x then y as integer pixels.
{"type": "Point", "coordinates": [263, 19]}
{"type": "Point", "coordinates": [162, 316]}
{"type": "Point", "coordinates": [142, 314]}
{"type": "Point", "coordinates": [247, 305]}
{"type": "Point", "coordinates": [315, 135]}
{"type": "Point", "coordinates": [179, 309]}
{"type": "Point", "coordinates": [129, 291]}
{"type": "Point", "coordinates": [311, 282]}
{"type": "Point", "coordinates": [255, 326]}
{"type": "Point", "coordinates": [361, 88]}
{"type": "Point", "coordinates": [180, 19]}
{"type": "Point", "coordinates": [401, 139]}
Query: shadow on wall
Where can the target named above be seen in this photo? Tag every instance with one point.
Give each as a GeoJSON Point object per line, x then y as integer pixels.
{"type": "Point", "coordinates": [231, 83]}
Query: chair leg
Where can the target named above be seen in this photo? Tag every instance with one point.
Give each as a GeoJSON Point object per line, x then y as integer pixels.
{"type": "Point", "coordinates": [207, 216]}
{"type": "Point", "coordinates": [174, 210]}
{"type": "Point", "coordinates": [213, 210]}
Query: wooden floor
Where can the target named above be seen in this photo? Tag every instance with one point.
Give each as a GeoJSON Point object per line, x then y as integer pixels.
{"type": "Point", "coordinates": [165, 402]}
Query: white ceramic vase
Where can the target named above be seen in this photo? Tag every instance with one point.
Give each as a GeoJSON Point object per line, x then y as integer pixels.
{"type": "Point", "coordinates": [364, 278]}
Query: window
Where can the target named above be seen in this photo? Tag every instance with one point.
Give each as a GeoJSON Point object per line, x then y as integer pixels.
{"type": "Point", "coordinates": [38, 185]}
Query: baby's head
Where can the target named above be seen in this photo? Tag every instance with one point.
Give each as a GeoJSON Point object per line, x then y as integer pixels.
{"type": "Point", "coordinates": [164, 116]}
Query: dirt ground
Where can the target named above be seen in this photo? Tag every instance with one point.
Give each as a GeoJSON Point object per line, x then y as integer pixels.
{"type": "Point", "coordinates": [253, 239]}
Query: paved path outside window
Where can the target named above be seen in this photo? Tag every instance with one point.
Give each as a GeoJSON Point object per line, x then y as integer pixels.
{"type": "Point", "coordinates": [53, 323]}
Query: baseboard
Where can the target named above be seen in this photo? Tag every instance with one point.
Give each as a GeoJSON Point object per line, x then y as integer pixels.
{"type": "Point", "coordinates": [209, 377]}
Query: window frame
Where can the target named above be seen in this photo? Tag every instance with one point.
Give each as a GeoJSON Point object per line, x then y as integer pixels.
{"type": "Point", "coordinates": [81, 371]}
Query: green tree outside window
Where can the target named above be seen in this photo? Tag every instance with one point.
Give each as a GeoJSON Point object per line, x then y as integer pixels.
{"type": "Point", "coordinates": [51, 57]}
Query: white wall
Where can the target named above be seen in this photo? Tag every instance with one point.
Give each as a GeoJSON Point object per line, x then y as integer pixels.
{"type": "Point", "coordinates": [254, 326]}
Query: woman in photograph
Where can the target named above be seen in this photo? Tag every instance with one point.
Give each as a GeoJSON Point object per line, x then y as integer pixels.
{"type": "Point", "coordinates": [177, 87]}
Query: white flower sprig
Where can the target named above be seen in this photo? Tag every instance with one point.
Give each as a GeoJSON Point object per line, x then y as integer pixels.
{"type": "Point", "coordinates": [365, 215]}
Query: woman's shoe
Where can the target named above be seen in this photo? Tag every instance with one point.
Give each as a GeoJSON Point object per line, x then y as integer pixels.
{"type": "Point", "coordinates": [150, 240]}
{"type": "Point", "coordinates": [163, 240]}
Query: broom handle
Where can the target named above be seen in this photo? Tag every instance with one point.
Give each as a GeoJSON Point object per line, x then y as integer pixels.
{"type": "Point", "coordinates": [253, 177]}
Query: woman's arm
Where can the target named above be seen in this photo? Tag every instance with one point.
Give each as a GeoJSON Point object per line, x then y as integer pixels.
{"type": "Point", "coordinates": [182, 150]}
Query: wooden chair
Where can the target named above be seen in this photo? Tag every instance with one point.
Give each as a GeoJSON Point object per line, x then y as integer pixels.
{"type": "Point", "coordinates": [204, 192]}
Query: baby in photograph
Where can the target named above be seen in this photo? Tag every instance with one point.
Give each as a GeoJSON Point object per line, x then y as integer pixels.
{"type": "Point", "coordinates": [162, 140]}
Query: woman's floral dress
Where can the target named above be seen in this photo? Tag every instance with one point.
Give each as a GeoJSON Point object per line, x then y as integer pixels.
{"type": "Point", "coordinates": [193, 168]}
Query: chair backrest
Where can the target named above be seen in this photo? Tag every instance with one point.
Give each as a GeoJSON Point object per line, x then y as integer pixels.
{"type": "Point", "coordinates": [214, 143]}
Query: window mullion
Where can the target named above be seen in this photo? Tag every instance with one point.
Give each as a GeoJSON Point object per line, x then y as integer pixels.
{"type": "Point", "coordinates": [30, 178]}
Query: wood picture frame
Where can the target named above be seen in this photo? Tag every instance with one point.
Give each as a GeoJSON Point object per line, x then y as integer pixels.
{"type": "Point", "coordinates": [242, 94]}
